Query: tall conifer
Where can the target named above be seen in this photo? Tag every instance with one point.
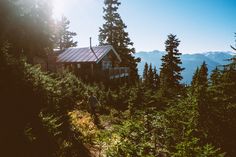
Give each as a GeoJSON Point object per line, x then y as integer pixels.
{"type": "Point", "coordinates": [64, 37]}
{"type": "Point", "coordinates": [156, 78]}
{"type": "Point", "coordinates": [150, 76]}
{"type": "Point", "coordinates": [200, 81]}
{"type": "Point", "coordinates": [203, 73]}
{"type": "Point", "coordinates": [145, 73]}
{"type": "Point", "coordinates": [215, 77]}
{"type": "Point", "coordinates": [199, 90]}
{"type": "Point", "coordinates": [195, 77]}
{"type": "Point", "coordinates": [170, 75]}
{"type": "Point", "coordinates": [27, 26]}
{"type": "Point", "coordinates": [113, 32]}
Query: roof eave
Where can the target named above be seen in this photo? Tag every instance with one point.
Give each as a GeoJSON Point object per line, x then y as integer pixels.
{"type": "Point", "coordinates": [114, 51]}
{"type": "Point", "coordinates": [63, 62]}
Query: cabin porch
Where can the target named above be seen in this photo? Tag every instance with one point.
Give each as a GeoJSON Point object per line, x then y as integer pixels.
{"type": "Point", "coordinates": [93, 71]}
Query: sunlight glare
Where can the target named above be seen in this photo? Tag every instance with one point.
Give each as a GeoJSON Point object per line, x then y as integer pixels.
{"type": "Point", "coordinates": [61, 7]}
{"type": "Point", "coordinates": [58, 8]}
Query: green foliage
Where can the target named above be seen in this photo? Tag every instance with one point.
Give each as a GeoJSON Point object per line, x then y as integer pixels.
{"type": "Point", "coordinates": [39, 111]}
{"type": "Point", "coordinates": [215, 77]}
{"type": "Point", "coordinates": [150, 77]}
{"type": "Point", "coordinates": [27, 25]}
{"type": "Point", "coordinates": [141, 129]}
{"type": "Point", "coordinates": [221, 112]}
{"type": "Point", "coordinates": [156, 79]}
{"type": "Point", "coordinates": [145, 74]}
{"type": "Point", "coordinates": [64, 37]}
{"type": "Point", "coordinates": [216, 105]}
{"type": "Point", "coordinates": [170, 74]}
{"type": "Point", "coordinates": [202, 76]}
{"type": "Point", "coordinates": [36, 105]}
{"type": "Point", "coordinates": [113, 33]}
{"type": "Point", "coordinates": [51, 122]}
{"type": "Point", "coordinates": [191, 147]}
{"type": "Point", "coordinates": [172, 132]}
{"type": "Point", "coordinates": [83, 122]}
{"type": "Point", "coordinates": [132, 139]}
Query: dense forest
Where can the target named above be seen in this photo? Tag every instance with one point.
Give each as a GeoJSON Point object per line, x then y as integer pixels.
{"type": "Point", "coordinates": [46, 114]}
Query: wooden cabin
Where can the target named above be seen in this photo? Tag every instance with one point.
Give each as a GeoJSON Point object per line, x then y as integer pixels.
{"type": "Point", "coordinates": [93, 63]}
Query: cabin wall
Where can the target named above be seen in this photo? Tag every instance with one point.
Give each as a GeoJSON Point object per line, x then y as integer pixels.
{"type": "Point", "coordinates": [109, 61]}
{"type": "Point", "coordinates": [89, 71]}
{"type": "Point", "coordinates": [107, 68]}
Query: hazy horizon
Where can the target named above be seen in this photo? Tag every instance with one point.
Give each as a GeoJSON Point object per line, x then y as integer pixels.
{"type": "Point", "coordinates": [231, 52]}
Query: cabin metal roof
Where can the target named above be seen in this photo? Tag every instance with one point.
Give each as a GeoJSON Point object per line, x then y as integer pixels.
{"type": "Point", "coordinates": [86, 54]}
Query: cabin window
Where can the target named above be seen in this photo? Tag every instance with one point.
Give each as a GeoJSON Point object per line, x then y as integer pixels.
{"type": "Point", "coordinates": [106, 65]}
{"type": "Point", "coordinates": [78, 66]}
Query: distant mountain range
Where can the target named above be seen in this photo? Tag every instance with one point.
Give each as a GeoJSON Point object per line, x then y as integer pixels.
{"type": "Point", "coordinates": [190, 61]}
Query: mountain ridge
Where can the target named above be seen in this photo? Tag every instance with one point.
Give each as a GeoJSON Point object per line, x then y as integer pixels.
{"type": "Point", "coordinates": [190, 61]}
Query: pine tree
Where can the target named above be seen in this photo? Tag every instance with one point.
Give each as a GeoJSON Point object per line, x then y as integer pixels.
{"type": "Point", "coordinates": [150, 76]}
{"type": "Point", "coordinates": [228, 95]}
{"type": "Point", "coordinates": [199, 90]}
{"type": "Point", "coordinates": [235, 43]}
{"type": "Point", "coordinates": [145, 74]}
{"type": "Point", "coordinates": [27, 26]}
{"type": "Point", "coordinates": [199, 82]}
{"type": "Point", "coordinates": [195, 77]}
{"type": "Point", "coordinates": [113, 33]}
{"type": "Point", "coordinates": [64, 37]}
{"type": "Point", "coordinates": [202, 77]}
{"type": "Point", "coordinates": [170, 75]}
{"type": "Point", "coordinates": [216, 106]}
{"type": "Point", "coordinates": [107, 32]}
{"type": "Point", "coordinates": [156, 78]}
{"type": "Point", "coordinates": [215, 77]}
{"type": "Point", "coordinates": [233, 59]}
{"type": "Point", "coordinates": [221, 111]}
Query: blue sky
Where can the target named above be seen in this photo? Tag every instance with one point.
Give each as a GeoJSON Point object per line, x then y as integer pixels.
{"type": "Point", "coordinates": [201, 25]}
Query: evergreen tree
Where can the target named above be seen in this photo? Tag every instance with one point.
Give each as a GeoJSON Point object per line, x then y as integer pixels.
{"type": "Point", "coordinates": [156, 78]}
{"type": "Point", "coordinates": [228, 81]}
{"type": "Point", "coordinates": [215, 77]}
{"type": "Point", "coordinates": [227, 93]}
{"type": "Point", "coordinates": [199, 91]}
{"type": "Point", "coordinates": [235, 43]}
{"type": "Point", "coordinates": [150, 77]}
{"type": "Point", "coordinates": [27, 26]}
{"type": "Point", "coordinates": [233, 59]}
{"type": "Point", "coordinates": [145, 74]}
{"type": "Point", "coordinates": [64, 37]}
{"type": "Point", "coordinates": [170, 75]}
{"type": "Point", "coordinates": [202, 77]}
{"type": "Point", "coordinates": [221, 110]}
{"type": "Point", "coordinates": [200, 82]}
{"type": "Point", "coordinates": [113, 33]}
{"type": "Point", "coordinates": [195, 77]}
